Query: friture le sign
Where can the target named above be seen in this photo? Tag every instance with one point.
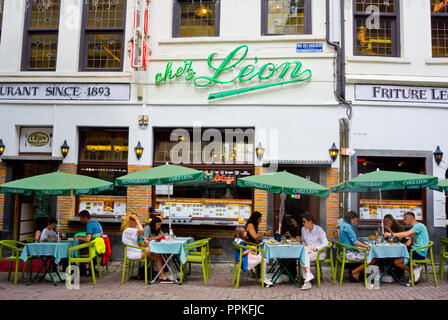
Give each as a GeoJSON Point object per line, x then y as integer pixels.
{"type": "Point", "coordinates": [388, 93]}
{"type": "Point", "coordinates": [223, 73]}
{"type": "Point", "coordinates": [64, 91]}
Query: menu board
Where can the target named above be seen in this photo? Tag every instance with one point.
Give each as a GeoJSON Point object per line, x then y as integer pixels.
{"type": "Point", "coordinates": [371, 209]}
{"type": "Point", "coordinates": [206, 208]}
{"type": "Point", "coordinates": [103, 205]}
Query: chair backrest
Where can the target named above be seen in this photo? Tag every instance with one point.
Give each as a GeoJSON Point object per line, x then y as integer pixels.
{"type": "Point", "coordinates": [8, 244]}
{"type": "Point", "coordinates": [30, 240]}
{"type": "Point", "coordinates": [443, 245]}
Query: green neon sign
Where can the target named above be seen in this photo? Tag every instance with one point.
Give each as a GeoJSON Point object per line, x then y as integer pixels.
{"type": "Point", "coordinates": [247, 73]}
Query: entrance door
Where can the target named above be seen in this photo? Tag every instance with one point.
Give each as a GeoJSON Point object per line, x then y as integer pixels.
{"type": "Point", "coordinates": [301, 204]}
{"type": "Point", "coordinates": [25, 222]}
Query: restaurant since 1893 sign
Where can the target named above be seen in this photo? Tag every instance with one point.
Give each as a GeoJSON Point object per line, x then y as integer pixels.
{"type": "Point", "coordinates": [64, 91]}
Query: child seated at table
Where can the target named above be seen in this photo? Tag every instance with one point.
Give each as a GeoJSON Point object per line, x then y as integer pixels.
{"type": "Point", "coordinates": [250, 258]}
{"type": "Point", "coordinates": [49, 234]}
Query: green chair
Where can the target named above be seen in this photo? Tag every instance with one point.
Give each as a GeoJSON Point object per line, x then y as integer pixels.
{"type": "Point", "coordinates": [84, 258]}
{"type": "Point", "coordinates": [341, 258]}
{"type": "Point", "coordinates": [237, 264]}
{"type": "Point", "coordinates": [425, 261]}
{"type": "Point", "coordinates": [443, 255]}
{"type": "Point", "coordinates": [329, 260]}
{"type": "Point", "coordinates": [130, 264]}
{"type": "Point", "coordinates": [16, 248]}
{"type": "Point", "coordinates": [31, 240]}
{"type": "Point", "coordinates": [207, 241]}
{"type": "Point", "coordinates": [197, 258]}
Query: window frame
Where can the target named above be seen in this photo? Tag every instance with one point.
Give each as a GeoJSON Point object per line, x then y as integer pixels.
{"type": "Point", "coordinates": [307, 17]}
{"type": "Point", "coordinates": [2, 7]}
{"type": "Point", "coordinates": [396, 30]}
{"type": "Point", "coordinates": [176, 18]}
{"type": "Point", "coordinates": [26, 41]}
{"type": "Point", "coordinates": [437, 16]}
{"type": "Point", "coordinates": [83, 54]}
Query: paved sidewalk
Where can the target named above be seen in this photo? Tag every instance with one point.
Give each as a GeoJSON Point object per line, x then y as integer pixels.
{"type": "Point", "coordinates": [218, 287]}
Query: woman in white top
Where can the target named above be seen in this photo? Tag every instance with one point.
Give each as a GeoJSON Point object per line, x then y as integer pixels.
{"type": "Point", "coordinates": [314, 239]}
{"type": "Point", "coordinates": [132, 231]}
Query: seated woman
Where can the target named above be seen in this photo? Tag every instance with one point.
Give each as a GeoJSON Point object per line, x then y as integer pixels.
{"type": "Point", "coordinates": [250, 259]}
{"type": "Point", "coordinates": [392, 226]}
{"type": "Point", "coordinates": [292, 229]}
{"type": "Point", "coordinates": [314, 238]}
{"type": "Point", "coordinates": [49, 234]}
{"type": "Point", "coordinates": [132, 231]}
{"type": "Point", "coordinates": [252, 228]}
{"type": "Point", "coordinates": [153, 230]}
{"type": "Point", "coordinates": [347, 236]}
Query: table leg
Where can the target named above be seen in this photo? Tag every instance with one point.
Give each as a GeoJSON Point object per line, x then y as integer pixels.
{"type": "Point", "coordinates": [37, 274]}
{"type": "Point", "coordinates": [163, 267]}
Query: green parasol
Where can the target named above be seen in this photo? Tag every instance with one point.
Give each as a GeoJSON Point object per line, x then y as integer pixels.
{"type": "Point", "coordinates": [285, 183]}
{"type": "Point", "coordinates": [163, 175]}
{"type": "Point", "coordinates": [385, 180]}
{"type": "Point", "coordinates": [442, 186]}
{"type": "Point", "coordinates": [56, 184]}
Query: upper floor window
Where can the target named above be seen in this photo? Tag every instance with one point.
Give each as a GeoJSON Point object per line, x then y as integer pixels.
{"type": "Point", "coordinates": [41, 35]}
{"type": "Point", "coordinates": [439, 28]}
{"type": "Point", "coordinates": [196, 18]}
{"type": "Point", "coordinates": [281, 17]}
{"type": "Point", "coordinates": [102, 35]}
{"type": "Point", "coordinates": [376, 28]}
{"type": "Point", "coordinates": [1, 16]}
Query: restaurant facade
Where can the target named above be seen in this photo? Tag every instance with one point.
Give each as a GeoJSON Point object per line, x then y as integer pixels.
{"type": "Point", "coordinates": [195, 88]}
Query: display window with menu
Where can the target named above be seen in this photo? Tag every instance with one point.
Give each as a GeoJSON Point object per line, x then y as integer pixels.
{"type": "Point", "coordinates": [103, 154]}
{"type": "Point", "coordinates": [394, 202]}
{"type": "Point", "coordinates": [226, 154]}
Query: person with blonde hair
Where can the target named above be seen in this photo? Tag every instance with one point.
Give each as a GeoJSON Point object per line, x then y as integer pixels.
{"type": "Point", "coordinates": [132, 235]}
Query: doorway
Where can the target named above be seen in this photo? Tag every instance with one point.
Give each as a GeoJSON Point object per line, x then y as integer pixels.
{"type": "Point", "coordinates": [300, 204]}
{"type": "Point", "coordinates": [25, 221]}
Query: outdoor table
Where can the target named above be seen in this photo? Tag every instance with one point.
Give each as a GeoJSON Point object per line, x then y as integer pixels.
{"type": "Point", "coordinates": [385, 250]}
{"type": "Point", "coordinates": [293, 250]}
{"type": "Point", "coordinates": [47, 251]}
{"type": "Point", "coordinates": [168, 248]}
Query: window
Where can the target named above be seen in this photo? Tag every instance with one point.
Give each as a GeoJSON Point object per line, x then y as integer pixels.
{"type": "Point", "coordinates": [103, 154]}
{"type": "Point", "coordinates": [102, 37]}
{"type": "Point", "coordinates": [439, 28]}
{"type": "Point", "coordinates": [395, 202]}
{"type": "Point", "coordinates": [196, 18]}
{"type": "Point", "coordinates": [376, 28]}
{"type": "Point", "coordinates": [2, 2]}
{"type": "Point", "coordinates": [41, 35]}
{"type": "Point", "coordinates": [281, 17]}
{"type": "Point", "coordinates": [238, 148]}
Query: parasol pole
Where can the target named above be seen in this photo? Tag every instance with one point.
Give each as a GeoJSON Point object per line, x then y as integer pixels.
{"type": "Point", "coordinates": [169, 211]}
{"type": "Point", "coordinates": [282, 209]}
{"type": "Point", "coordinates": [382, 218]}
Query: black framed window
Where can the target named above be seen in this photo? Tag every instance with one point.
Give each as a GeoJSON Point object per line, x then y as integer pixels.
{"type": "Point", "coordinates": [376, 28]}
{"type": "Point", "coordinates": [199, 18]}
{"type": "Point", "coordinates": [283, 17]}
{"type": "Point", "coordinates": [102, 35]}
{"type": "Point", "coordinates": [103, 154]}
{"type": "Point", "coordinates": [439, 28]}
{"type": "Point", "coordinates": [40, 39]}
{"type": "Point", "coordinates": [2, 2]}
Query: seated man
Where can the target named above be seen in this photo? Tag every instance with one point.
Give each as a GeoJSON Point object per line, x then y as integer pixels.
{"type": "Point", "coordinates": [49, 234]}
{"type": "Point", "coordinates": [419, 238]}
{"type": "Point", "coordinates": [347, 236]}
{"type": "Point", "coordinates": [93, 230]}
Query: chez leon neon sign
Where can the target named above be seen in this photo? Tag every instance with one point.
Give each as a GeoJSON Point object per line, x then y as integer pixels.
{"type": "Point", "coordinates": [248, 72]}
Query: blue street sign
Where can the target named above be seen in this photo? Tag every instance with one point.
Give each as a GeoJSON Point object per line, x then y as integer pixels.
{"type": "Point", "coordinates": [306, 47]}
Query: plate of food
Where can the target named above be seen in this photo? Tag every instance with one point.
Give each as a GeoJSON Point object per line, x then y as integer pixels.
{"type": "Point", "coordinates": [273, 242]}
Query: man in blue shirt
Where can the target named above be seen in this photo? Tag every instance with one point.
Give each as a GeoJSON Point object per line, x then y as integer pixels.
{"type": "Point", "coordinates": [348, 237]}
{"type": "Point", "coordinates": [419, 238]}
{"type": "Point", "coordinates": [93, 230]}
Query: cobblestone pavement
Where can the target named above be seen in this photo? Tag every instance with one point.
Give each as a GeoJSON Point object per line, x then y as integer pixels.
{"type": "Point", "coordinates": [218, 287]}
